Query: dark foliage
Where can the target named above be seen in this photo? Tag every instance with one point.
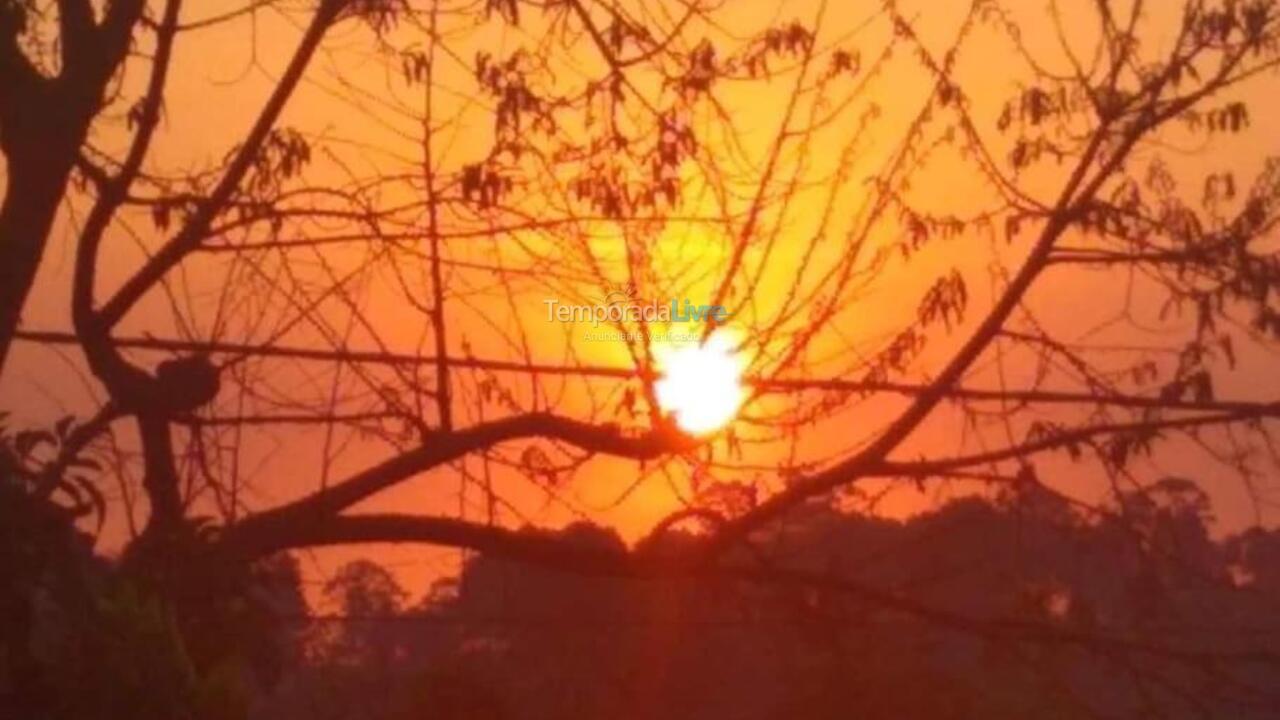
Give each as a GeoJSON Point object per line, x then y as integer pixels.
{"type": "Point", "coordinates": [1010, 608]}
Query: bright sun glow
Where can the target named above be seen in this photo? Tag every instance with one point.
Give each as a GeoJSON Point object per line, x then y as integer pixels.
{"type": "Point", "coordinates": [701, 385]}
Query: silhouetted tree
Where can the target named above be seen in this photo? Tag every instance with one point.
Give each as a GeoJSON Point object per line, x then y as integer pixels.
{"type": "Point", "coordinates": [1034, 608]}
{"type": "Point", "coordinates": [454, 182]}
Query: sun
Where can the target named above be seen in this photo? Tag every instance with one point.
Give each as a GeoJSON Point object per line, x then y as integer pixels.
{"type": "Point", "coordinates": [700, 385]}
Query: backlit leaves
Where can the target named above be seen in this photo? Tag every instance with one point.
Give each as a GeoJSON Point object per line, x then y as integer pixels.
{"type": "Point", "coordinates": [945, 301]}
{"type": "Point", "coordinates": [484, 185]}
{"type": "Point", "coordinates": [284, 154]}
{"type": "Point", "coordinates": [1231, 118]}
{"type": "Point", "coordinates": [380, 15]}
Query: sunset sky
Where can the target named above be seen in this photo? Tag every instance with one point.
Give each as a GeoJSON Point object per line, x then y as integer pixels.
{"type": "Point", "coordinates": [803, 153]}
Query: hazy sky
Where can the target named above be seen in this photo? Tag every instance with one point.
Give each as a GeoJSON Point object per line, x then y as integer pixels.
{"type": "Point", "coordinates": [365, 127]}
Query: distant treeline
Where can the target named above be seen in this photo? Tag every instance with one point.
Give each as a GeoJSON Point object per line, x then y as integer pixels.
{"type": "Point", "coordinates": [1012, 607]}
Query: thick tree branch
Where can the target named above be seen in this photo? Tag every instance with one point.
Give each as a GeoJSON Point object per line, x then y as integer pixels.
{"type": "Point", "coordinates": [540, 548]}
{"type": "Point", "coordinates": [104, 357]}
{"type": "Point", "coordinates": [43, 124]}
{"type": "Point", "coordinates": [75, 22]}
{"type": "Point", "coordinates": [279, 524]}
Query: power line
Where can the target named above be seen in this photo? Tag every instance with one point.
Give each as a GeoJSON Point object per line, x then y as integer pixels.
{"type": "Point", "coordinates": [1266, 408]}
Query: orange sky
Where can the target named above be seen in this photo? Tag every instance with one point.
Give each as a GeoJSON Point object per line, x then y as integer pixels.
{"type": "Point", "coordinates": [357, 107]}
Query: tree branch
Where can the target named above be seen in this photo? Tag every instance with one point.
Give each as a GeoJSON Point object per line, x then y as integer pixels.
{"type": "Point", "coordinates": [103, 356]}
{"type": "Point", "coordinates": [1075, 196]}
{"type": "Point", "coordinates": [75, 23]}
{"type": "Point", "coordinates": [279, 525]}
{"type": "Point", "coordinates": [196, 228]}
{"type": "Point", "coordinates": [537, 547]}
{"type": "Point", "coordinates": [1056, 441]}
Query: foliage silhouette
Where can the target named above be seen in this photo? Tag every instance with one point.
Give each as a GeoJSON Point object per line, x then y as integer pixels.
{"type": "Point", "coordinates": [1017, 606]}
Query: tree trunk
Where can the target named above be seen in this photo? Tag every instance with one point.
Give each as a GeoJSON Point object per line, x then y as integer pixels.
{"type": "Point", "coordinates": [37, 180]}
